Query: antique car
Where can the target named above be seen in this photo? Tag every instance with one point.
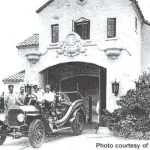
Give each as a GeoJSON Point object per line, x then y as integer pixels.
{"type": "Point", "coordinates": [36, 120]}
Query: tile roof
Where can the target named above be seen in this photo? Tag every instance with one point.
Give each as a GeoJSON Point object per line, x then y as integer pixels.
{"type": "Point", "coordinates": [18, 77]}
{"type": "Point", "coordinates": [135, 2]}
{"type": "Point", "coordinates": [31, 41]}
{"type": "Point", "coordinates": [44, 6]}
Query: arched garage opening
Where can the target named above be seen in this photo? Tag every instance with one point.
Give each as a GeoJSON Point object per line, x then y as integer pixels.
{"type": "Point", "coordinates": [89, 79]}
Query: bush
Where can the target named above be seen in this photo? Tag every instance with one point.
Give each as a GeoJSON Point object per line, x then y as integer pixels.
{"type": "Point", "coordinates": [132, 119]}
{"type": "Point", "coordinates": [109, 119]}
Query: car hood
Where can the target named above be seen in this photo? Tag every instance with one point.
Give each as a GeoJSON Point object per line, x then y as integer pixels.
{"type": "Point", "coordinates": [28, 108]}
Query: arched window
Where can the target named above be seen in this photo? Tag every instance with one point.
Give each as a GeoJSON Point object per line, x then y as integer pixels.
{"type": "Point", "coordinates": [82, 27]}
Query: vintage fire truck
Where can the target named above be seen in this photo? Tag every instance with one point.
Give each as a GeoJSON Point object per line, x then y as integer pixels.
{"type": "Point", "coordinates": [35, 121]}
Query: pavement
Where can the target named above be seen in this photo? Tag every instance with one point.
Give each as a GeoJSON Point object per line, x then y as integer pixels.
{"type": "Point", "coordinates": [88, 140]}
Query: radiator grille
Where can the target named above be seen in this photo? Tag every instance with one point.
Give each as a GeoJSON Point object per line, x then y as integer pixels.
{"type": "Point", "coordinates": [12, 117]}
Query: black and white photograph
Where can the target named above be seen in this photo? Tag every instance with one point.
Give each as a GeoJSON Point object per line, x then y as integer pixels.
{"type": "Point", "coordinates": [75, 75]}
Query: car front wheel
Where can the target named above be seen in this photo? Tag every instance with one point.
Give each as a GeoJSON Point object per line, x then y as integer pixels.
{"type": "Point", "coordinates": [77, 125]}
{"type": "Point", "coordinates": [36, 133]}
{"type": "Point", "coordinates": [2, 139]}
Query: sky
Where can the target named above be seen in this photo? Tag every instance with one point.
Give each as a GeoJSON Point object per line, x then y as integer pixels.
{"type": "Point", "coordinates": [18, 21]}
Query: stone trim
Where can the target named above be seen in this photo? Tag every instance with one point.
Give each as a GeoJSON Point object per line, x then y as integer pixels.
{"type": "Point", "coordinates": [33, 57]}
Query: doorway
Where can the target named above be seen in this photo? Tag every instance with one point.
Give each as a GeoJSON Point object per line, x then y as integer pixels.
{"type": "Point", "coordinates": [89, 79]}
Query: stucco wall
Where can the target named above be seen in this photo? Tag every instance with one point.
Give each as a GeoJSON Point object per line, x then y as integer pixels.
{"type": "Point", "coordinates": [145, 47]}
{"type": "Point", "coordinates": [125, 69]}
{"type": "Point", "coordinates": [97, 12]}
{"type": "Point", "coordinates": [22, 51]}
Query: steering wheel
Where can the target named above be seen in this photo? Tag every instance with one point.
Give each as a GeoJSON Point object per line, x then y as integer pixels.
{"type": "Point", "coordinates": [49, 104]}
{"type": "Point", "coordinates": [32, 97]}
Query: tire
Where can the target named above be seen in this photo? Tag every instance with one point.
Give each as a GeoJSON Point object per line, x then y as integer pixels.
{"type": "Point", "coordinates": [2, 139]}
{"type": "Point", "coordinates": [36, 133]}
{"type": "Point", "coordinates": [77, 125]}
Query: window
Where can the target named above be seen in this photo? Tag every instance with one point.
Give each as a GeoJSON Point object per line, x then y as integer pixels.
{"type": "Point", "coordinates": [111, 27]}
{"type": "Point", "coordinates": [82, 27]}
{"type": "Point", "coordinates": [55, 33]}
{"type": "Point", "coordinates": [135, 23]}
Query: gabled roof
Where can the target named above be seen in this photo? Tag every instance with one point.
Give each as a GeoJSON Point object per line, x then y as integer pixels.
{"type": "Point", "coordinates": [133, 1]}
{"type": "Point", "coordinates": [31, 41]}
{"type": "Point", "coordinates": [44, 6]}
{"type": "Point", "coordinates": [18, 77]}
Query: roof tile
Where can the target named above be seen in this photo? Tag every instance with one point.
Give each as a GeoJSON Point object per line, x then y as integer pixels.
{"type": "Point", "coordinates": [31, 41]}
{"type": "Point", "coordinates": [18, 77]}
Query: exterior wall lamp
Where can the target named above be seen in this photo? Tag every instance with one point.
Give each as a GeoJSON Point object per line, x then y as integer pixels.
{"type": "Point", "coordinates": [115, 87]}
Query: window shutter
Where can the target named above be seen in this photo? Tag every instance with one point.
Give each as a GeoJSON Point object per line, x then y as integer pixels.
{"type": "Point", "coordinates": [111, 27]}
{"type": "Point", "coordinates": [83, 29]}
{"type": "Point", "coordinates": [73, 26]}
{"type": "Point", "coordinates": [78, 29]}
{"type": "Point", "coordinates": [135, 23]}
{"type": "Point", "coordinates": [55, 33]}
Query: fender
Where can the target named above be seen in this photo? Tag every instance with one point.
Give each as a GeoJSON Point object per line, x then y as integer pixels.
{"type": "Point", "coordinates": [82, 111]}
{"type": "Point", "coordinates": [37, 116]}
{"type": "Point", "coordinates": [73, 116]}
{"type": "Point", "coordinates": [71, 109]}
{"type": "Point", "coordinates": [1, 123]}
{"type": "Point", "coordinates": [3, 129]}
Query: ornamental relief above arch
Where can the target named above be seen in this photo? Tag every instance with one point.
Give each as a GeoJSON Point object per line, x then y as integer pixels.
{"type": "Point", "coordinates": [72, 46]}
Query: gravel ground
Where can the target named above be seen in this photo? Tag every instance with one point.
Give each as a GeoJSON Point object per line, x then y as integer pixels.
{"type": "Point", "coordinates": [103, 140]}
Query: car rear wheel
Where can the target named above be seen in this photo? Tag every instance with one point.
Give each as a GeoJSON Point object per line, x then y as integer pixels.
{"type": "Point", "coordinates": [77, 125]}
{"type": "Point", "coordinates": [36, 133]}
{"type": "Point", "coordinates": [2, 139]}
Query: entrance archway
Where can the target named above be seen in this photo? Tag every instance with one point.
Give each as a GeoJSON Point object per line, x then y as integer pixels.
{"type": "Point", "coordinates": [87, 85]}
{"type": "Point", "coordinates": [89, 79]}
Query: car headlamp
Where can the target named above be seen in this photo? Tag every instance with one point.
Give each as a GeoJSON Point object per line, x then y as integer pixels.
{"type": "Point", "coordinates": [20, 117]}
{"type": "Point", "coordinates": [2, 117]}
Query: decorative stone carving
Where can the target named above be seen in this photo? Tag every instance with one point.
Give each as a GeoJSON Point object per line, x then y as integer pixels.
{"type": "Point", "coordinates": [72, 46]}
{"type": "Point", "coordinates": [113, 53]}
{"type": "Point", "coordinates": [82, 2]}
{"type": "Point", "coordinates": [33, 57]}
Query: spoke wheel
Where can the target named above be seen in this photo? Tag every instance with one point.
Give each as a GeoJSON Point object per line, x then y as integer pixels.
{"type": "Point", "coordinates": [2, 139]}
{"type": "Point", "coordinates": [77, 125]}
{"type": "Point", "coordinates": [36, 133]}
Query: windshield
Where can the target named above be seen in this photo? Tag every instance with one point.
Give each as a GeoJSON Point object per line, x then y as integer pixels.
{"type": "Point", "coordinates": [72, 96]}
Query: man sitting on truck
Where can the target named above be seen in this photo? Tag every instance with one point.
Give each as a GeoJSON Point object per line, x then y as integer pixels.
{"type": "Point", "coordinates": [48, 95]}
{"type": "Point", "coordinates": [21, 96]}
{"type": "Point", "coordinates": [37, 93]}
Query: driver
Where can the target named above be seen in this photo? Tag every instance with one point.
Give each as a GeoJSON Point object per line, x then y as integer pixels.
{"type": "Point", "coordinates": [48, 95]}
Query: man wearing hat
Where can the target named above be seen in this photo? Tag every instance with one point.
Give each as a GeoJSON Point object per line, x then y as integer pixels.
{"type": "Point", "coordinates": [37, 93]}
{"type": "Point", "coordinates": [10, 98]}
{"type": "Point", "coordinates": [48, 95]}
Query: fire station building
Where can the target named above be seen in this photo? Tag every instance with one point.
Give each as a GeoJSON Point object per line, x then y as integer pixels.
{"type": "Point", "coordinates": [98, 47]}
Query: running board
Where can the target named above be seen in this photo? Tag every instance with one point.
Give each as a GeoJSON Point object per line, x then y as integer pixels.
{"type": "Point", "coordinates": [57, 130]}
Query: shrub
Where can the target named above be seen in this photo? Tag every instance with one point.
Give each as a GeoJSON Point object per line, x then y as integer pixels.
{"type": "Point", "coordinates": [132, 119]}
